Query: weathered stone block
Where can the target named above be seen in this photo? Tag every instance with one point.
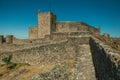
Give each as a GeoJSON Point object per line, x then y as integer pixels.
{"type": "Point", "coordinates": [1, 39]}
{"type": "Point", "coordinates": [9, 39]}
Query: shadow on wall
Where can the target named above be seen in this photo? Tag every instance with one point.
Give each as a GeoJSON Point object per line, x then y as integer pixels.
{"type": "Point", "coordinates": [105, 68]}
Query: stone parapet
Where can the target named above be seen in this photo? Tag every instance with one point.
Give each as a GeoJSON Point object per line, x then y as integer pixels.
{"type": "Point", "coordinates": [78, 40]}
{"type": "Point", "coordinates": [106, 60]}
{"type": "Point", "coordinates": [21, 41]}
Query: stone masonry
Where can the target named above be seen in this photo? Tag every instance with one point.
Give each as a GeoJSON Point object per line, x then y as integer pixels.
{"type": "Point", "coordinates": [1, 39]}
{"type": "Point", "coordinates": [47, 25]}
{"type": "Point", "coordinates": [52, 42]}
{"type": "Point", "coordinates": [46, 21]}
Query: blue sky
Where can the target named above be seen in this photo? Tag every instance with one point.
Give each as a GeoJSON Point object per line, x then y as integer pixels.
{"type": "Point", "coordinates": [16, 16]}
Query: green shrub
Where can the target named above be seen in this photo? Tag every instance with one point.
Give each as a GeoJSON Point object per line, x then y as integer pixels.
{"type": "Point", "coordinates": [7, 60]}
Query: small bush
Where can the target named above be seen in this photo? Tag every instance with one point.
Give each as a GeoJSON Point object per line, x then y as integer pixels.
{"type": "Point", "coordinates": [7, 60]}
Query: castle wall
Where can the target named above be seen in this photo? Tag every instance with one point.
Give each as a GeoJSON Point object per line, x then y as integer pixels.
{"type": "Point", "coordinates": [33, 32]}
{"type": "Point", "coordinates": [62, 27]}
{"type": "Point", "coordinates": [59, 36]}
{"type": "Point", "coordinates": [21, 41]}
{"type": "Point", "coordinates": [73, 27]}
{"type": "Point", "coordinates": [82, 27]}
{"type": "Point", "coordinates": [94, 30]}
{"type": "Point", "coordinates": [42, 40]}
{"type": "Point", "coordinates": [79, 40]}
{"type": "Point", "coordinates": [1, 39]}
{"type": "Point", "coordinates": [47, 25]}
{"type": "Point", "coordinates": [9, 39]}
{"type": "Point", "coordinates": [80, 33]}
{"type": "Point", "coordinates": [43, 54]}
{"type": "Point", "coordinates": [106, 61]}
{"type": "Point", "coordinates": [57, 52]}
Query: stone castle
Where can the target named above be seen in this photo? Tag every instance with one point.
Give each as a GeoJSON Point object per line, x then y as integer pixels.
{"type": "Point", "coordinates": [76, 42]}
{"type": "Point", "coordinates": [48, 25]}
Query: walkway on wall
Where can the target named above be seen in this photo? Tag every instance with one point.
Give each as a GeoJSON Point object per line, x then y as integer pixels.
{"type": "Point", "coordinates": [84, 69]}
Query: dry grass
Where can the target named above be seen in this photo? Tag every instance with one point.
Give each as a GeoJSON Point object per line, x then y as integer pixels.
{"type": "Point", "coordinates": [22, 72]}
{"type": "Point", "coordinates": [25, 72]}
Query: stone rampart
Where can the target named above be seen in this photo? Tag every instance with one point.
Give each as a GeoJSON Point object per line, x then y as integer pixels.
{"type": "Point", "coordinates": [59, 36]}
{"type": "Point", "coordinates": [83, 33]}
{"type": "Point", "coordinates": [1, 39]}
{"type": "Point", "coordinates": [9, 39]}
{"type": "Point", "coordinates": [44, 54]}
{"type": "Point", "coordinates": [75, 40]}
{"type": "Point", "coordinates": [41, 41]}
{"type": "Point", "coordinates": [21, 41]}
{"type": "Point", "coordinates": [75, 27]}
{"type": "Point", "coordinates": [33, 32]}
{"type": "Point", "coordinates": [106, 60]}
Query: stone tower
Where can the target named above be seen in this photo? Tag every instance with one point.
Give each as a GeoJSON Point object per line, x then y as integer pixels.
{"type": "Point", "coordinates": [46, 23]}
